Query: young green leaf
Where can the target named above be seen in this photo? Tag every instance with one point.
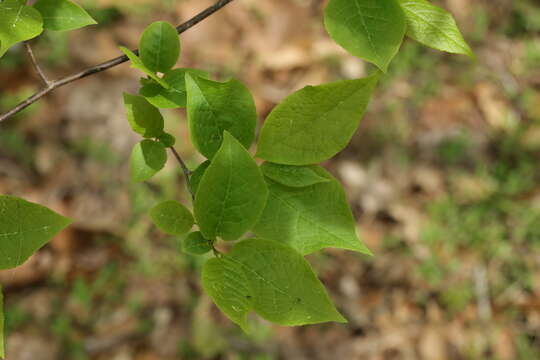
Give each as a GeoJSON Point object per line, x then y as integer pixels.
{"type": "Point", "coordinates": [213, 107]}
{"type": "Point", "coordinates": [144, 118]}
{"type": "Point", "coordinates": [290, 175]}
{"type": "Point", "coordinates": [196, 244]}
{"type": "Point", "coordinates": [232, 193]}
{"type": "Point", "coordinates": [172, 217]}
{"type": "Point", "coordinates": [434, 27]}
{"type": "Point", "coordinates": [373, 30]}
{"type": "Point", "coordinates": [173, 97]}
{"type": "Point", "coordinates": [309, 218]}
{"type": "Point", "coordinates": [63, 15]}
{"type": "Point", "coordinates": [18, 22]}
{"type": "Point", "coordinates": [197, 175]}
{"type": "Point", "coordinates": [167, 139]}
{"type": "Point", "coordinates": [24, 228]}
{"type": "Point", "coordinates": [159, 46]}
{"type": "Point", "coordinates": [315, 123]}
{"type": "Point", "coordinates": [147, 158]}
{"type": "Point", "coordinates": [136, 63]}
{"type": "Point", "coordinates": [271, 279]}
{"type": "Point", "coordinates": [2, 351]}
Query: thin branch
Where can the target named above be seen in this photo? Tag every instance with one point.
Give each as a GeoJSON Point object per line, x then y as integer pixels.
{"type": "Point", "coordinates": [35, 64]}
{"type": "Point", "coordinates": [185, 170]}
{"type": "Point", "coordinates": [108, 64]}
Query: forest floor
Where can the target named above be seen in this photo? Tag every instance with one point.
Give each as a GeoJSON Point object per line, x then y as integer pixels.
{"type": "Point", "coordinates": [443, 177]}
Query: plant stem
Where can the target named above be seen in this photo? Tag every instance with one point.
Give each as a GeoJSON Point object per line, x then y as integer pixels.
{"type": "Point", "coordinates": [35, 64]}
{"type": "Point", "coordinates": [185, 170]}
{"type": "Point", "coordinates": [52, 85]}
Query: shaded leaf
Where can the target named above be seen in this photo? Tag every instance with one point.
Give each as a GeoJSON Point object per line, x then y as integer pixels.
{"type": "Point", "coordinates": [144, 118]}
{"type": "Point", "coordinates": [214, 107]}
{"type": "Point", "coordinates": [315, 123]}
{"type": "Point", "coordinates": [309, 218]}
{"type": "Point", "coordinates": [373, 30]}
{"type": "Point", "coordinates": [167, 139]}
{"type": "Point", "coordinates": [231, 194]}
{"type": "Point", "coordinates": [24, 228]}
{"type": "Point", "coordinates": [197, 175]}
{"type": "Point", "coordinates": [62, 15]}
{"type": "Point", "coordinates": [147, 159]}
{"type": "Point", "coordinates": [172, 217]}
{"type": "Point", "coordinates": [196, 244]}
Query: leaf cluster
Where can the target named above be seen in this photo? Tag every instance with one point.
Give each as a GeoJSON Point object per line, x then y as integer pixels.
{"type": "Point", "coordinates": [276, 209]}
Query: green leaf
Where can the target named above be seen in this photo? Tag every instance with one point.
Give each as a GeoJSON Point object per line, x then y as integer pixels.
{"type": "Point", "coordinates": [196, 244]}
{"type": "Point", "coordinates": [271, 279]}
{"type": "Point", "coordinates": [434, 27]}
{"type": "Point", "coordinates": [2, 351]}
{"type": "Point", "coordinates": [172, 217]}
{"type": "Point", "coordinates": [159, 46]}
{"type": "Point", "coordinates": [24, 228]}
{"type": "Point", "coordinates": [167, 139]}
{"type": "Point", "coordinates": [62, 15]}
{"type": "Point", "coordinates": [136, 63]}
{"type": "Point", "coordinates": [144, 118]}
{"type": "Point", "coordinates": [315, 123]}
{"type": "Point", "coordinates": [213, 107]}
{"type": "Point", "coordinates": [309, 218]}
{"type": "Point", "coordinates": [373, 30]}
{"type": "Point", "coordinates": [225, 281]}
{"type": "Point", "coordinates": [290, 175]}
{"type": "Point", "coordinates": [197, 175]}
{"type": "Point", "coordinates": [18, 22]}
{"type": "Point", "coordinates": [173, 97]}
{"type": "Point", "coordinates": [231, 194]}
{"type": "Point", "coordinates": [147, 158]}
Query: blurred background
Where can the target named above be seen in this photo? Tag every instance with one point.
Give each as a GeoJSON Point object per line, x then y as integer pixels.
{"type": "Point", "coordinates": [442, 176]}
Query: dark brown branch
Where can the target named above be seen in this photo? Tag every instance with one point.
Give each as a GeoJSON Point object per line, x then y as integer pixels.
{"type": "Point", "coordinates": [185, 170]}
{"type": "Point", "coordinates": [35, 64]}
{"type": "Point", "coordinates": [52, 85]}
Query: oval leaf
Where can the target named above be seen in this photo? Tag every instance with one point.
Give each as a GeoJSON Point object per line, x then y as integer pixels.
{"type": "Point", "coordinates": [147, 158]}
{"type": "Point", "coordinates": [62, 15]}
{"type": "Point", "coordinates": [175, 96]}
{"type": "Point", "coordinates": [271, 279]}
{"type": "Point", "coordinates": [434, 27]}
{"type": "Point", "coordinates": [196, 244]}
{"type": "Point", "coordinates": [232, 193]}
{"type": "Point", "coordinates": [290, 175]}
{"type": "Point", "coordinates": [309, 218]}
{"type": "Point", "coordinates": [18, 22]}
{"type": "Point", "coordinates": [373, 30]}
{"type": "Point", "coordinates": [144, 118]}
{"type": "Point", "coordinates": [172, 217]}
{"type": "Point", "coordinates": [159, 46]}
{"type": "Point", "coordinates": [213, 107]}
{"type": "Point", "coordinates": [24, 228]}
{"type": "Point", "coordinates": [315, 123]}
